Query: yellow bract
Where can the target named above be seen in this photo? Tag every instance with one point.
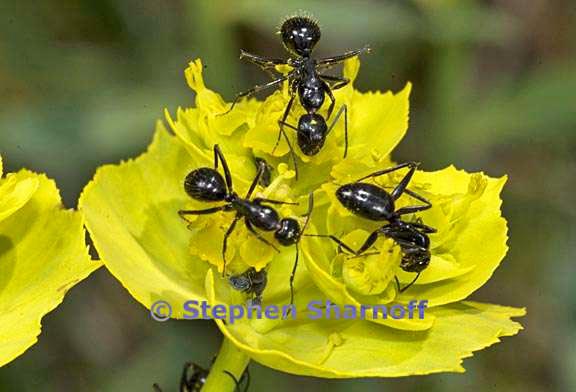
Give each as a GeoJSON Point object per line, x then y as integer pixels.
{"type": "Point", "coordinates": [355, 348]}
{"type": "Point", "coordinates": [131, 213]}
{"type": "Point", "coordinates": [42, 255]}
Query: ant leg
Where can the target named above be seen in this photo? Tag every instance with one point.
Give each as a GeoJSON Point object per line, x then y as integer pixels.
{"type": "Point", "coordinates": [157, 388]}
{"type": "Point", "coordinates": [266, 64]}
{"type": "Point", "coordinates": [332, 99]}
{"type": "Point", "coordinates": [261, 61]}
{"type": "Point", "coordinates": [207, 211]}
{"type": "Point", "coordinates": [412, 209]}
{"type": "Point", "coordinates": [283, 120]}
{"type": "Point", "coordinates": [308, 213]}
{"type": "Point", "coordinates": [341, 82]}
{"type": "Point", "coordinates": [369, 242]}
{"type": "Point", "coordinates": [417, 196]}
{"type": "Point", "coordinates": [285, 124]}
{"type": "Point", "coordinates": [401, 290]}
{"type": "Point", "coordinates": [342, 57]}
{"type": "Point", "coordinates": [292, 276]}
{"type": "Point", "coordinates": [266, 178]}
{"type": "Point", "coordinates": [264, 240]}
{"type": "Point", "coordinates": [254, 90]}
{"type": "Point", "coordinates": [256, 180]}
{"type": "Point", "coordinates": [343, 109]}
{"type": "Point", "coordinates": [292, 154]}
{"type": "Point", "coordinates": [225, 242]}
{"type": "Point", "coordinates": [389, 170]}
{"type": "Point", "coordinates": [424, 228]}
{"type": "Point", "coordinates": [340, 243]}
{"type": "Point", "coordinates": [218, 155]}
{"type": "Point", "coordinates": [401, 187]}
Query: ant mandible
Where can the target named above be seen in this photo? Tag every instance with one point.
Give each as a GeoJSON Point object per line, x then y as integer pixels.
{"type": "Point", "coordinates": [300, 34]}
{"type": "Point", "coordinates": [206, 184]}
{"type": "Point", "coordinates": [372, 202]}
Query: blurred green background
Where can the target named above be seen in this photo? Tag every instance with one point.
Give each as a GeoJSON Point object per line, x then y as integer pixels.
{"type": "Point", "coordinates": [82, 83]}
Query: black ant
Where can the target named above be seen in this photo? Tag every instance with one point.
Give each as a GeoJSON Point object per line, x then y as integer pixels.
{"type": "Point", "coordinates": [206, 184]}
{"type": "Point", "coordinates": [300, 34]}
{"type": "Point", "coordinates": [372, 202]}
{"type": "Point", "coordinates": [251, 282]}
{"type": "Point", "coordinates": [194, 377]}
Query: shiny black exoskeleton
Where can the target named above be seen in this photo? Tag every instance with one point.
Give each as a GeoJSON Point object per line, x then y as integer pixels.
{"type": "Point", "coordinates": [194, 377]}
{"type": "Point", "coordinates": [251, 282]}
{"type": "Point", "coordinates": [300, 34]}
{"type": "Point", "coordinates": [372, 202]}
{"type": "Point", "coordinates": [206, 184]}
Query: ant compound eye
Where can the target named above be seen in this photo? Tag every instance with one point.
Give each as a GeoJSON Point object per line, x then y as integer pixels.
{"type": "Point", "coordinates": [300, 34]}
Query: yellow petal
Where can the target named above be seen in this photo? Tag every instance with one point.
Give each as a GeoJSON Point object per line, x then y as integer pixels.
{"type": "Point", "coordinates": [472, 234]}
{"type": "Point", "coordinates": [131, 212]}
{"type": "Point", "coordinates": [42, 255]}
{"type": "Point", "coordinates": [214, 110]}
{"type": "Point", "coordinates": [355, 348]}
{"type": "Point", "coordinates": [15, 191]}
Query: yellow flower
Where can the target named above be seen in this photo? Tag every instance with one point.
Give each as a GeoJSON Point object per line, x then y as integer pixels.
{"type": "Point", "coordinates": [42, 255]}
{"type": "Point", "coordinates": [131, 213]}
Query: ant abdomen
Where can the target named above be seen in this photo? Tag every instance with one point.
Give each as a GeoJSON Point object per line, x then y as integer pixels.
{"type": "Point", "coordinates": [205, 184]}
{"type": "Point", "coordinates": [312, 130]}
{"type": "Point", "coordinates": [366, 200]}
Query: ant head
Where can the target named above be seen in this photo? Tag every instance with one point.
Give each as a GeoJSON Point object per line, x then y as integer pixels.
{"type": "Point", "coordinates": [288, 233]}
{"type": "Point", "coordinates": [415, 259]}
{"type": "Point", "coordinates": [312, 131]}
{"type": "Point", "coordinates": [300, 34]}
{"type": "Point", "coordinates": [205, 184]}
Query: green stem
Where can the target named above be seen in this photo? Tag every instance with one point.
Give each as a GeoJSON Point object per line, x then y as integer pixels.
{"type": "Point", "coordinates": [230, 359]}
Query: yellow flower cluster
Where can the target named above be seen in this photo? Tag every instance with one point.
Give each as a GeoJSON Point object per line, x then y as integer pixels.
{"type": "Point", "coordinates": [131, 214]}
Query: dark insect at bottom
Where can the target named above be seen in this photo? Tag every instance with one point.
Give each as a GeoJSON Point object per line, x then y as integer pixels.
{"type": "Point", "coordinates": [207, 184]}
{"type": "Point", "coordinates": [194, 377]}
{"type": "Point", "coordinates": [374, 203]}
{"type": "Point", "coordinates": [251, 282]}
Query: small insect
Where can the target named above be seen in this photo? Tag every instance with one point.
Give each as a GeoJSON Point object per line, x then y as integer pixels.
{"type": "Point", "coordinates": [300, 34]}
{"type": "Point", "coordinates": [194, 377]}
{"type": "Point", "coordinates": [206, 184]}
{"type": "Point", "coordinates": [251, 282]}
{"type": "Point", "coordinates": [372, 202]}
